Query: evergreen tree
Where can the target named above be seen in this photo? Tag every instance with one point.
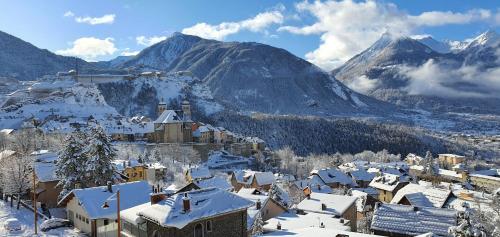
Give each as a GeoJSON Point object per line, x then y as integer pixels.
{"type": "Point", "coordinates": [69, 167]}
{"type": "Point", "coordinates": [258, 225]}
{"type": "Point", "coordinates": [100, 153]}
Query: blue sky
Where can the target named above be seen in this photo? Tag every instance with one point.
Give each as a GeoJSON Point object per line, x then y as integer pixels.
{"type": "Point", "coordinates": [326, 33]}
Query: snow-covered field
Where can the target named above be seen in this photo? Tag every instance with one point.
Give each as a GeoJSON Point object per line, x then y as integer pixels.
{"type": "Point", "coordinates": [25, 216]}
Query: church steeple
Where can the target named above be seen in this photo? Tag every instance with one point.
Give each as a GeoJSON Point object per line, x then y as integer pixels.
{"type": "Point", "coordinates": [162, 106]}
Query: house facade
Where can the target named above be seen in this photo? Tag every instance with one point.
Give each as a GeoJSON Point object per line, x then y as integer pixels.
{"type": "Point", "coordinates": [200, 213]}
{"type": "Point", "coordinates": [93, 210]}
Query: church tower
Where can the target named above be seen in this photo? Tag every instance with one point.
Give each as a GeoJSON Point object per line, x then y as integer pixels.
{"type": "Point", "coordinates": [162, 106]}
{"type": "Point", "coordinates": [186, 110]}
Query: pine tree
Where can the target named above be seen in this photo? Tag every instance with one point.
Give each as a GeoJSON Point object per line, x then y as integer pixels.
{"type": "Point", "coordinates": [100, 153]}
{"type": "Point", "coordinates": [258, 225]}
{"type": "Point", "coordinates": [69, 167]}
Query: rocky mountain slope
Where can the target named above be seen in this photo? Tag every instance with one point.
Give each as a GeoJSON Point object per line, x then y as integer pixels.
{"type": "Point", "coordinates": [255, 77]}
{"type": "Point", "coordinates": [427, 74]}
{"type": "Point", "coordinates": [24, 61]}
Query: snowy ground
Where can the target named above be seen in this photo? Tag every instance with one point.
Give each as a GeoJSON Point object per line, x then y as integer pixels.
{"type": "Point", "coordinates": [26, 218]}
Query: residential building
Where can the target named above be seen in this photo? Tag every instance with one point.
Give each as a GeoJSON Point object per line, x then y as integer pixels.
{"type": "Point", "coordinates": [364, 203]}
{"type": "Point", "coordinates": [486, 182]}
{"type": "Point", "coordinates": [86, 208]}
{"type": "Point", "coordinates": [451, 159]}
{"type": "Point", "coordinates": [46, 179]}
{"type": "Point", "coordinates": [338, 206]}
{"type": "Point", "coordinates": [387, 186]}
{"type": "Point", "coordinates": [199, 213]}
{"type": "Point", "coordinates": [413, 159]}
{"type": "Point", "coordinates": [264, 205]}
{"type": "Point", "coordinates": [197, 173]}
{"type": "Point", "coordinates": [406, 221]}
{"type": "Point", "coordinates": [252, 179]}
{"type": "Point", "coordinates": [292, 223]}
{"type": "Point", "coordinates": [334, 178]}
{"type": "Point", "coordinates": [361, 177]}
{"type": "Point", "coordinates": [422, 196]}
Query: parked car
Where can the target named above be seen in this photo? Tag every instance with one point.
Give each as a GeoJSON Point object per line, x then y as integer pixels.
{"type": "Point", "coordinates": [12, 225]}
{"type": "Point", "coordinates": [55, 223]}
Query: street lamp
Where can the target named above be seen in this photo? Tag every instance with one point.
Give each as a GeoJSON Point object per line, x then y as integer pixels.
{"type": "Point", "coordinates": [106, 206]}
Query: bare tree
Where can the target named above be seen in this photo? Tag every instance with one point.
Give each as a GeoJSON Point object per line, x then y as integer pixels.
{"type": "Point", "coordinates": [17, 175]}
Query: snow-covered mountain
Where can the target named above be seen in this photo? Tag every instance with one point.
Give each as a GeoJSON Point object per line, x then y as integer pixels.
{"type": "Point", "coordinates": [24, 61]}
{"type": "Point", "coordinates": [425, 73]}
{"type": "Point", "coordinates": [250, 77]}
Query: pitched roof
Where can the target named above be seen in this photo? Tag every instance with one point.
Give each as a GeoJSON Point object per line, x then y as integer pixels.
{"type": "Point", "coordinates": [215, 182]}
{"type": "Point", "coordinates": [244, 176]}
{"type": "Point", "coordinates": [199, 172]}
{"type": "Point", "coordinates": [361, 175]}
{"type": "Point", "coordinates": [92, 199]}
{"type": "Point", "coordinates": [168, 116]}
{"type": "Point", "coordinates": [205, 203]}
{"type": "Point", "coordinates": [335, 204]}
{"type": "Point", "coordinates": [264, 178]}
{"type": "Point", "coordinates": [410, 220]}
{"type": "Point", "coordinates": [421, 195]}
{"type": "Point", "coordinates": [332, 175]}
{"type": "Point", "coordinates": [387, 182]}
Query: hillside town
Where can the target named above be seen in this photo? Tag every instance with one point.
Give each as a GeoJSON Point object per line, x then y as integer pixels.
{"type": "Point", "coordinates": [194, 179]}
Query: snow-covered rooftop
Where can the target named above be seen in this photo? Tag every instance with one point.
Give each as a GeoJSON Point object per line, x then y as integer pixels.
{"type": "Point", "coordinates": [205, 203]}
{"type": "Point", "coordinates": [409, 220]}
{"type": "Point", "coordinates": [315, 183]}
{"type": "Point", "coordinates": [387, 182]}
{"type": "Point", "coordinates": [215, 182]}
{"type": "Point", "coordinates": [200, 172]}
{"type": "Point", "coordinates": [332, 175]}
{"type": "Point", "coordinates": [361, 175]}
{"type": "Point", "coordinates": [264, 178]}
{"type": "Point", "coordinates": [168, 116]}
{"type": "Point", "coordinates": [423, 196]}
{"type": "Point", "coordinates": [291, 222]}
{"type": "Point", "coordinates": [335, 204]}
{"type": "Point", "coordinates": [92, 199]}
{"type": "Point", "coordinates": [45, 171]}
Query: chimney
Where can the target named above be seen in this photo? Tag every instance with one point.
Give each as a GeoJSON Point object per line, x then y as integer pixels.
{"type": "Point", "coordinates": [323, 206]}
{"type": "Point", "coordinates": [258, 204]}
{"type": "Point", "coordinates": [342, 220]}
{"type": "Point", "coordinates": [278, 226]}
{"type": "Point", "coordinates": [319, 187]}
{"type": "Point", "coordinates": [157, 197]}
{"type": "Point", "coordinates": [153, 189]}
{"type": "Point", "coordinates": [110, 186]}
{"type": "Point", "coordinates": [415, 208]}
{"type": "Point", "coordinates": [186, 203]}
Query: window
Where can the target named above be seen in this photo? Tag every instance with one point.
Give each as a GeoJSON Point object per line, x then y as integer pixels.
{"type": "Point", "coordinates": [198, 230]}
{"type": "Point", "coordinates": [209, 226]}
{"type": "Point", "coordinates": [106, 222]}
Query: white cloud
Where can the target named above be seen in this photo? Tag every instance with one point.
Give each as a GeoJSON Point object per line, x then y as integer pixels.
{"type": "Point", "coordinates": [259, 23]}
{"type": "Point", "coordinates": [69, 14]}
{"type": "Point", "coordinates": [347, 27]}
{"type": "Point", "coordinates": [106, 19]}
{"type": "Point", "coordinates": [89, 48]}
{"type": "Point", "coordinates": [434, 79]}
{"type": "Point", "coordinates": [148, 41]}
{"type": "Point", "coordinates": [363, 84]}
{"type": "Point", "coordinates": [127, 52]}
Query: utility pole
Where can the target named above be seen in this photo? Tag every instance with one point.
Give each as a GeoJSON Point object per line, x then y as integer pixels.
{"type": "Point", "coordinates": [118, 213]}
{"type": "Point", "coordinates": [34, 202]}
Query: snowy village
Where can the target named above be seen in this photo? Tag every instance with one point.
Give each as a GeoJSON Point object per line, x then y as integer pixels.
{"type": "Point", "coordinates": [323, 118]}
{"type": "Point", "coordinates": [97, 184]}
